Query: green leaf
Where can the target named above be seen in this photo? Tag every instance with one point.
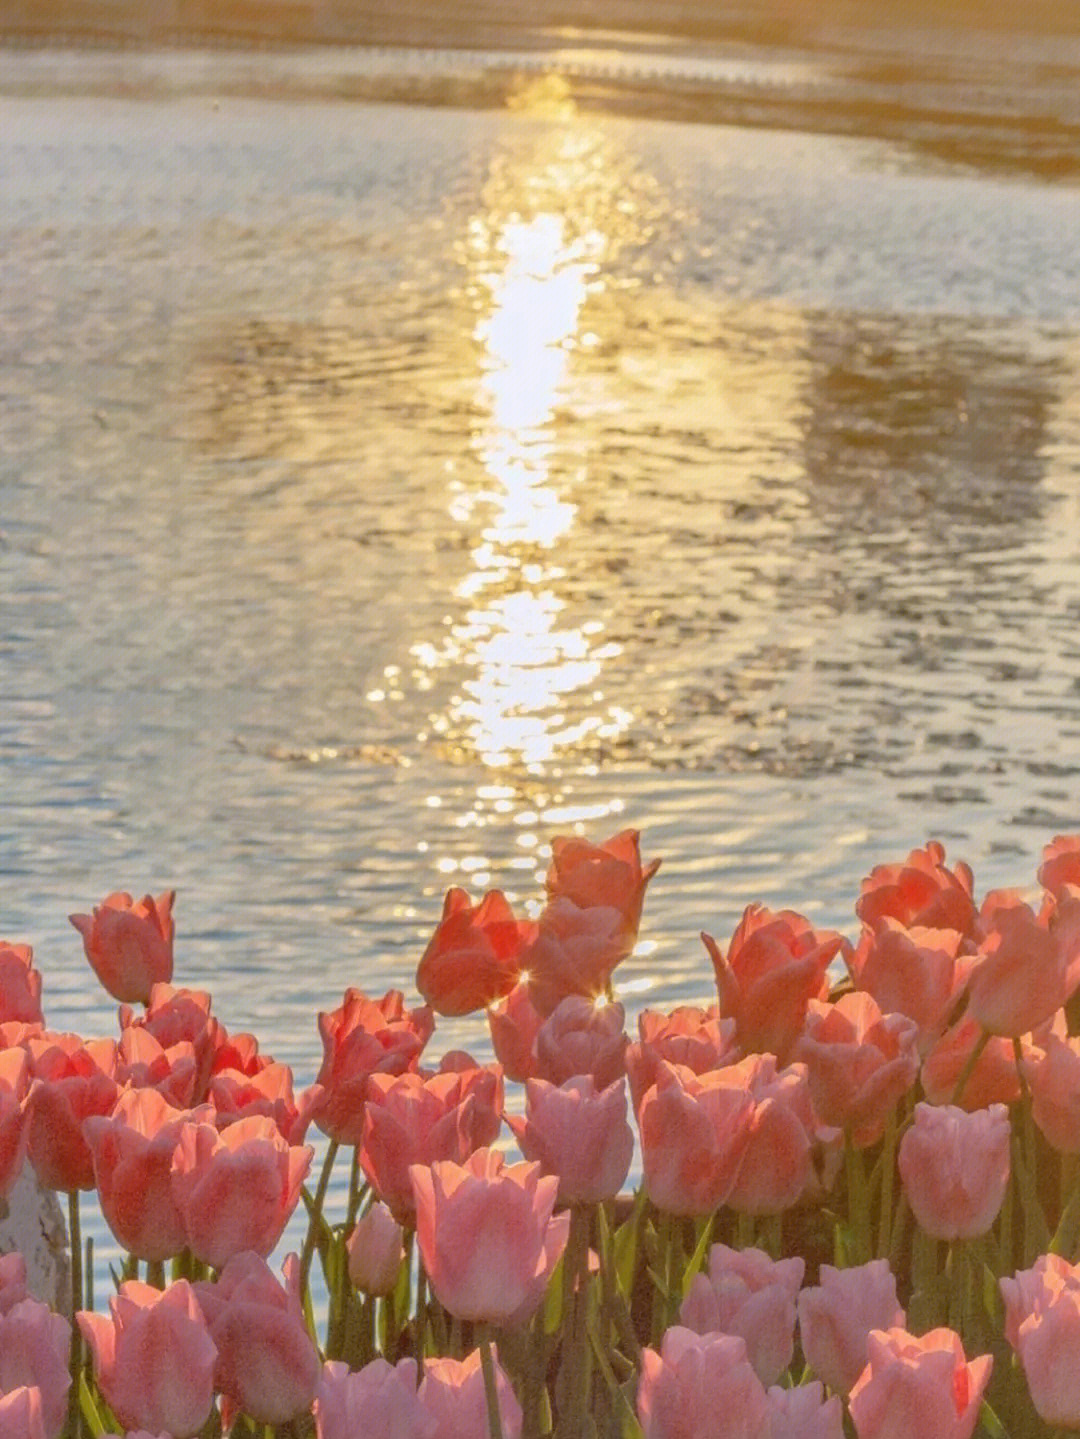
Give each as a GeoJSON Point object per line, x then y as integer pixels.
{"type": "Point", "coordinates": [696, 1259]}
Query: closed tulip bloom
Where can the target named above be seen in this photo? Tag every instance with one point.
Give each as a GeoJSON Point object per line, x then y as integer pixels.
{"type": "Point", "coordinates": [375, 1249]}
{"type": "Point", "coordinates": [805, 1413]}
{"type": "Point", "coordinates": [574, 951]}
{"type": "Point", "coordinates": [452, 1392]}
{"type": "Point", "coordinates": [993, 1080]}
{"type": "Point", "coordinates": [269, 1091]}
{"type": "Point", "coordinates": [776, 1168]}
{"type": "Point", "coordinates": [1047, 1344]}
{"type": "Point", "coordinates": [236, 1190]}
{"type": "Point", "coordinates": [129, 943]}
{"type": "Point", "coordinates": [695, 1130]}
{"type": "Point", "coordinates": [748, 1294]}
{"type": "Point", "coordinates": [379, 1401]}
{"type": "Point", "coordinates": [181, 1016]}
{"type": "Point", "coordinates": [487, 1236]}
{"type": "Point", "coordinates": [609, 874]}
{"type": "Point", "coordinates": [837, 1315]}
{"type": "Point", "coordinates": [143, 1063]}
{"type": "Point", "coordinates": [153, 1359]}
{"type": "Point", "coordinates": [579, 1134]}
{"type": "Point", "coordinates": [14, 1085]}
{"type": "Point", "coordinates": [918, 972]}
{"type": "Point", "coordinates": [21, 1414]}
{"type": "Point", "coordinates": [267, 1365]}
{"type": "Point", "coordinates": [918, 1388]}
{"type": "Point", "coordinates": [474, 956]}
{"type": "Point", "coordinates": [34, 1348]}
{"type": "Point", "coordinates": [1060, 863]}
{"type": "Point", "coordinates": [1053, 1075]}
{"type": "Point", "coordinates": [689, 1035]}
{"type": "Point", "coordinates": [582, 1037]}
{"type": "Point", "coordinates": [20, 985]}
{"type": "Point", "coordinates": [775, 965]}
{"type": "Point", "coordinates": [1030, 1291]}
{"type": "Point", "coordinates": [700, 1386]}
{"type": "Point", "coordinates": [73, 1080]}
{"type": "Point", "coordinates": [1025, 968]}
{"type": "Point", "coordinates": [920, 891]}
{"type": "Point", "coordinates": [954, 1165]}
{"type": "Point", "coordinates": [514, 1025]}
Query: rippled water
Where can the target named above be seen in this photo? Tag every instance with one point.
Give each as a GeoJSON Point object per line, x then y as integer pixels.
{"type": "Point", "coordinates": [384, 490]}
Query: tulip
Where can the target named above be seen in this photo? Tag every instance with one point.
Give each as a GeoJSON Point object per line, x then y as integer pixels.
{"type": "Point", "coordinates": [34, 1348]}
{"type": "Point", "coordinates": [514, 1025]}
{"type": "Point", "coordinates": [267, 1366]}
{"type": "Point", "coordinates": [748, 1294]}
{"type": "Point", "coordinates": [379, 1401]}
{"type": "Point", "coordinates": [181, 1016]}
{"type": "Point", "coordinates": [452, 1392]}
{"type": "Point", "coordinates": [13, 1288]}
{"type": "Point", "coordinates": [1025, 968]}
{"type": "Point", "coordinates": [805, 1413]}
{"type": "Point", "coordinates": [917, 972]}
{"type": "Point", "coordinates": [837, 1315]}
{"type": "Point", "coordinates": [607, 875]}
{"type": "Point", "coordinates": [130, 944]}
{"type": "Point", "coordinates": [1060, 863]}
{"type": "Point", "coordinates": [574, 951]}
{"type": "Point", "coordinates": [1053, 1075]}
{"type": "Point", "coordinates": [918, 1388]}
{"type": "Point", "coordinates": [144, 1063]}
{"type": "Point", "coordinates": [700, 1386]}
{"type": "Point", "coordinates": [581, 1036]}
{"type": "Point", "coordinates": [153, 1359]}
{"type": "Point", "coordinates": [502, 1279]}
{"type": "Point", "coordinates": [775, 965]}
{"type": "Point", "coordinates": [776, 1168]}
{"type": "Point", "coordinates": [20, 985]}
{"type": "Point", "coordinates": [236, 1190]}
{"type": "Point", "coordinates": [689, 1035]}
{"type": "Point", "coordinates": [361, 1038]}
{"type": "Point", "coordinates": [14, 1084]}
{"type": "Point", "coordinates": [269, 1091]}
{"type": "Point", "coordinates": [920, 892]}
{"type": "Point", "coordinates": [73, 1080]}
{"type": "Point", "coordinates": [474, 956]}
{"type": "Point", "coordinates": [579, 1134]}
{"type": "Point", "coordinates": [954, 1165]}
{"type": "Point", "coordinates": [375, 1249]}
{"type": "Point", "coordinates": [695, 1130]}
{"type": "Point", "coordinates": [1030, 1291]}
{"type": "Point", "coordinates": [1047, 1343]}
{"type": "Point", "coordinates": [22, 1415]}
{"type": "Point", "coordinates": [993, 1080]}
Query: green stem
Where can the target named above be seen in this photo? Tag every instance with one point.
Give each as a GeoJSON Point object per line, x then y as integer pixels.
{"type": "Point", "coordinates": [75, 1359]}
{"type": "Point", "coordinates": [969, 1064]}
{"type": "Point", "coordinates": [315, 1218]}
{"type": "Point", "coordinates": [888, 1180]}
{"type": "Point", "coordinates": [490, 1390]}
{"type": "Point", "coordinates": [858, 1201]}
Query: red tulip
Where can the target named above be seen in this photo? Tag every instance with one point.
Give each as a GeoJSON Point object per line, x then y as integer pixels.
{"type": "Point", "coordinates": [269, 1092]}
{"type": "Point", "coordinates": [20, 985]}
{"type": "Point", "coordinates": [129, 943]}
{"type": "Point", "coordinates": [918, 1388]}
{"type": "Point", "coordinates": [608, 874]}
{"type": "Point", "coordinates": [452, 1392]}
{"type": "Point", "coordinates": [181, 1016]}
{"type": "Point", "coordinates": [695, 1130]}
{"type": "Point", "coordinates": [700, 1386]}
{"type": "Point", "coordinates": [144, 1064]}
{"type": "Point", "coordinates": [917, 972]}
{"type": "Point", "coordinates": [748, 1294]}
{"type": "Point", "coordinates": [579, 1134]}
{"type": "Point", "coordinates": [1060, 863]}
{"type": "Point", "coordinates": [837, 1315]}
{"type": "Point", "coordinates": [474, 956]}
{"type": "Point", "coordinates": [922, 892]}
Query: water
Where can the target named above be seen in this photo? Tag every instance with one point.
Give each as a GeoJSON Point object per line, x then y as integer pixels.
{"type": "Point", "coordinates": [386, 489]}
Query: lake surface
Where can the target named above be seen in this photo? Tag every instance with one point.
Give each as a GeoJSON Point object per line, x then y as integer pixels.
{"type": "Point", "coordinates": [387, 489]}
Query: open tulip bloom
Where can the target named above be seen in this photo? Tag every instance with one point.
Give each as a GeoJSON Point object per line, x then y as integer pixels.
{"type": "Point", "coordinates": [853, 1167]}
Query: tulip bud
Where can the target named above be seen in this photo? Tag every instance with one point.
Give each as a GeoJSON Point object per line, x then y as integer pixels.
{"type": "Point", "coordinates": [375, 1251]}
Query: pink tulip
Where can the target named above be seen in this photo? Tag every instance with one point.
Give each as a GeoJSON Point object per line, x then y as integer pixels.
{"type": "Point", "coordinates": [361, 1038]}
{"type": "Point", "coordinates": [452, 1392]}
{"type": "Point", "coordinates": [375, 1250]}
{"type": "Point", "coordinates": [861, 1063]}
{"type": "Point", "coordinates": [487, 1236]}
{"type": "Point", "coordinates": [917, 972]}
{"type": "Point", "coordinates": [73, 1080]}
{"type": "Point", "coordinates": [34, 1349]}
{"type": "Point", "coordinates": [695, 1130]}
{"type": "Point", "coordinates": [379, 1401]}
{"type": "Point", "coordinates": [410, 1119]}
{"type": "Point", "coordinates": [14, 1085]}
{"type": "Point", "coordinates": [1060, 863]}
{"type": "Point", "coordinates": [837, 1315]}
{"type": "Point", "coordinates": [805, 1413]}
{"type": "Point", "coordinates": [129, 944]}
{"type": "Point", "coordinates": [1053, 1075]}
{"type": "Point", "coordinates": [607, 875]}
{"type": "Point", "coordinates": [153, 1359]}
{"type": "Point", "coordinates": [574, 951]}
{"type": "Point", "coordinates": [20, 985]}
{"type": "Point", "coordinates": [1030, 1291]}
{"type": "Point", "coordinates": [236, 1190]}
{"type": "Point", "coordinates": [267, 1365]}
{"type": "Point", "coordinates": [578, 1134]}
{"type": "Point", "coordinates": [748, 1294]}
{"type": "Point", "coordinates": [920, 892]}
{"type": "Point", "coordinates": [181, 1016]}
{"type": "Point", "coordinates": [954, 1165]}
{"type": "Point", "coordinates": [580, 1036]}
{"type": "Point", "coordinates": [22, 1415]}
{"type": "Point", "coordinates": [993, 1080]}
{"type": "Point", "coordinates": [776, 1168]}
{"type": "Point", "coordinates": [775, 965]}
{"type": "Point", "coordinates": [474, 956]}
{"type": "Point", "coordinates": [514, 1025]}
{"type": "Point", "coordinates": [13, 1288]}
{"type": "Point", "coordinates": [1026, 964]}
{"type": "Point", "coordinates": [918, 1388]}
{"type": "Point", "coordinates": [1047, 1345]}
{"type": "Point", "coordinates": [269, 1091]}
{"type": "Point", "coordinates": [700, 1386]}
{"type": "Point", "coordinates": [694, 1037]}
{"type": "Point", "coordinates": [143, 1063]}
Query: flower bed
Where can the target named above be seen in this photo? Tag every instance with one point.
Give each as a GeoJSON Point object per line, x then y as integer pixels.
{"type": "Point", "coordinates": [859, 1214]}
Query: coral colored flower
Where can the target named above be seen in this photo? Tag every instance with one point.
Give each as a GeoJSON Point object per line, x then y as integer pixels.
{"type": "Point", "coordinates": [144, 1064]}
{"type": "Point", "coordinates": [236, 1189]}
{"type": "Point", "coordinates": [375, 1249]}
{"type": "Point", "coordinates": [609, 874]}
{"type": "Point", "coordinates": [748, 1294]}
{"type": "Point", "coordinates": [73, 1079]}
{"type": "Point", "coordinates": [20, 985]}
{"type": "Point", "coordinates": [918, 972]}
{"type": "Point", "coordinates": [921, 891]}
{"type": "Point", "coordinates": [153, 1359]}
{"type": "Point", "coordinates": [34, 1348]}
{"type": "Point", "coordinates": [181, 1016]}
{"type": "Point", "coordinates": [474, 956]}
{"type": "Point", "coordinates": [993, 1080]}
{"type": "Point", "coordinates": [452, 1392]}
{"type": "Point", "coordinates": [954, 1165]}
{"type": "Point", "coordinates": [21, 1414]}
{"type": "Point", "coordinates": [410, 1119]}
{"type": "Point", "coordinates": [514, 1025]}
{"type": "Point", "coordinates": [689, 1035]}
{"type": "Point", "coordinates": [361, 1038]}
{"type": "Point", "coordinates": [487, 1236]}
{"type": "Point", "coordinates": [269, 1092]}
{"type": "Point", "coordinates": [805, 1413]}
{"type": "Point", "coordinates": [1026, 965]}
{"type": "Point", "coordinates": [1052, 1071]}
{"type": "Point", "coordinates": [581, 1036]}
{"type": "Point", "coordinates": [379, 1401]}
{"type": "Point", "coordinates": [132, 1150]}
{"type": "Point", "coordinates": [267, 1366]}
{"type": "Point", "coordinates": [1030, 1291]}
{"type": "Point", "coordinates": [918, 1388]}
{"type": "Point", "coordinates": [777, 1166]}
{"type": "Point", "coordinates": [579, 1134]}
{"type": "Point", "coordinates": [837, 1315]}
{"type": "Point", "coordinates": [1060, 863]}
{"type": "Point", "coordinates": [861, 1063]}
{"type": "Point", "coordinates": [1047, 1343]}
{"type": "Point", "coordinates": [776, 964]}
{"type": "Point", "coordinates": [14, 1084]}
{"type": "Point", "coordinates": [695, 1130]}
{"type": "Point", "coordinates": [574, 951]}
{"type": "Point", "coordinates": [129, 943]}
{"type": "Point", "coordinates": [700, 1386]}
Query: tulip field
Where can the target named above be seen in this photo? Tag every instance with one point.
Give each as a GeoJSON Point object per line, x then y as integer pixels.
{"type": "Point", "coordinates": [859, 1212]}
